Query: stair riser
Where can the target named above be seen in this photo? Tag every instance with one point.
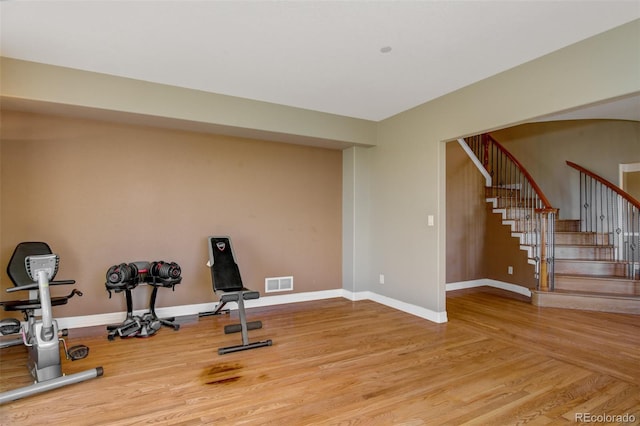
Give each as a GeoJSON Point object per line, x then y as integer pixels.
{"type": "Point", "coordinates": [567, 225]}
{"type": "Point", "coordinates": [586, 238]}
{"type": "Point", "coordinates": [594, 285]}
{"type": "Point", "coordinates": [517, 213]}
{"type": "Point", "coordinates": [578, 252]}
{"type": "Point", "coordinates": [520, 226]}
{"type": "Point", "coordinates": [506, 202]}
{"type": "Point", "coordinates": [566, 266]}
{"type": "Point", "coordinates": [527, 239]}
{"type": "Point", "coordinates": [590, 303]}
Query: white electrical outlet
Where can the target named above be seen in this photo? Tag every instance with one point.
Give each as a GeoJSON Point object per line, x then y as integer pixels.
{"type": "Point", "coordinates": [381, 278]}
{"type": "Point", "coordinates": [510, 270]}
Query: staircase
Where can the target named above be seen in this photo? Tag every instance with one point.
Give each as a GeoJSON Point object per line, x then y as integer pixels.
{"type": "Point", "coordinates": [587, 276]}
{"type": "Point", "coordinates": [516, 196]}
{"type": "Point", "coordinates": [591, 263]}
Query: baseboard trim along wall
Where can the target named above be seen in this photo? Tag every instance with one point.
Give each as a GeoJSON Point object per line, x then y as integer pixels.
{"type": "Point", "coordinates": [428, 314]}
{"type": "Point", "coordinates": [188, 310]}
{"type": "Point", "coordinates": [489, 283]}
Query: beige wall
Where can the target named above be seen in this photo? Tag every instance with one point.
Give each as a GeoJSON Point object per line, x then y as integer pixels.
{"type": "Point", "coordinates": [102, 193]}
{"type": "Point", "coordinates": [466, 218]}
{"type": "Point", "coordinates": [631, 184]}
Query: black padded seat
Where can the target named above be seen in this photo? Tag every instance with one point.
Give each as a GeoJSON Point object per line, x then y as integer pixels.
{"type": "Point", "coordinates": [16, 270]}
{"type": "Point", "coordinates": [227, 283]}
{"type": "Point", "coordinates": [19, 276]}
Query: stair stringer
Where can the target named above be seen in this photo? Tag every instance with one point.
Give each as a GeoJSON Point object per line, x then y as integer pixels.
{"type": "Point", "coordinates": [529, 248]}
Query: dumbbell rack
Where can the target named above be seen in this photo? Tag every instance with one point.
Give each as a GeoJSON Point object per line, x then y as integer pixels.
{"type": "Point", "coordinates": [126, 277]}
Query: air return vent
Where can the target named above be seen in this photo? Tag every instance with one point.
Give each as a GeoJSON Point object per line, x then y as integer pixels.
{"type": "Point", "coordinates": [278, 284]}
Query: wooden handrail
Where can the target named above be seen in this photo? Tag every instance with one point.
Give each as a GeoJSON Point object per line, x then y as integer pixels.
{"type": "Point", "coordinates": [605, 182]}
{"type": "Point", "coordinates": [534, 185]}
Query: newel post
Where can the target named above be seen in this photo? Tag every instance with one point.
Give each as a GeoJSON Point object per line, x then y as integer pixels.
{"type": "Point", "coordinates": [547, 225]}
{"type": "Point", "coordinates": [544, 274]}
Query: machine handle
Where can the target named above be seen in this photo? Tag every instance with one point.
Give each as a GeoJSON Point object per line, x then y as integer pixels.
{"type": "Point", "coordinates": [62, 282]}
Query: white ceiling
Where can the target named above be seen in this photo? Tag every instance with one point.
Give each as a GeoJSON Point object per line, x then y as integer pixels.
{"type": "Point", "coordinates": [318, 55]}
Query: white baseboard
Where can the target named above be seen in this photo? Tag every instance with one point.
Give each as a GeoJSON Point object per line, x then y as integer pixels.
{"type": "Point", "coordinates": [428, 314]}
{"type": "Point", "coordinates": [118, 317]}
{"type": "Point", "coordinates": [490, 283]}
{"type": "Point", "coordinates": [186, 310]}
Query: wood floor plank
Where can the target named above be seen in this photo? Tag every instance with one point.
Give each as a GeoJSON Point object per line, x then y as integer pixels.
{"type": "Point", "coordinates": [499, 360]}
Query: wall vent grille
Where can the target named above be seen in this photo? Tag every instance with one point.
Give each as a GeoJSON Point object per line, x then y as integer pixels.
{"type": "Point", "coordinates": [274, 284]}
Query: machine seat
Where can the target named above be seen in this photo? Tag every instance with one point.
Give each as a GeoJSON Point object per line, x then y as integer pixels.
{"type": "Point", "coordinates": [19, 276]}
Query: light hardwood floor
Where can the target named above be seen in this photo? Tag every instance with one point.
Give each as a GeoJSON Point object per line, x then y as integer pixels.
{"type": "Point", "coordinates": [498, 361]}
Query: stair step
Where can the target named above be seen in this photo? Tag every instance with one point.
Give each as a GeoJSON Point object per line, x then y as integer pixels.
{"type": "Point", "coordinates": [505, 202]}
{"type": "Point", "coordinates": [565, 251]}
{"type": "Point", "coordinates": [598, 268]}
{"type": "Point", "coordinates": [568, 225]}
{"type": "Point", "coordinates": [519, 226]}
{"type": "Point", "coordinates": [514, 212]}
{"type": "Point", "coordinates": [603, 284]}
{"type": "Point", "coordinates": [586, 301]}
{"type": "Point", "coordinates": [586, 238]}
{"type": "Point", "coordinates": [526, 238]}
